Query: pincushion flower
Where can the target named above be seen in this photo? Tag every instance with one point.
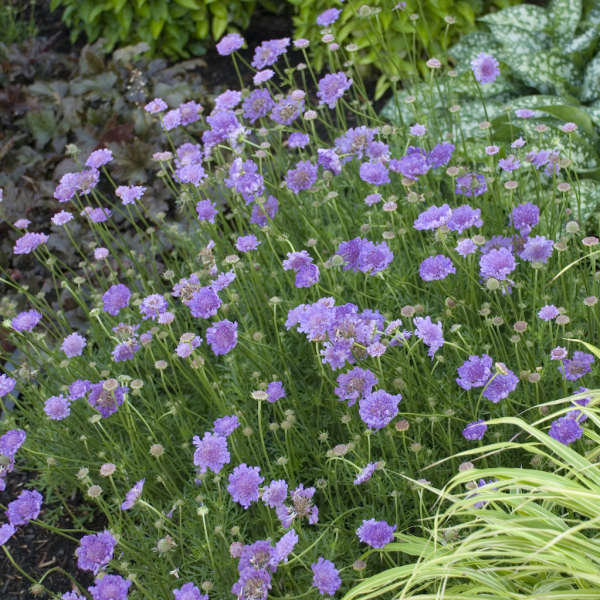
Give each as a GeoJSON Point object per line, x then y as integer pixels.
{"type": "Point", "coordinates": [376, 534]}
{"type": "Point", "coordinates": [485, 68]}
{"type": "Point", "coordinates": [26, 507]}
{"type": "Point", "coordinates": [211, 452]}
{"type": "Point", "coordinates": [326, 578]}
{"type": "Point", "coordinates": [133, 495]}
{"type": "Point", "coordinates": [95, 551]}
{"type": "Point", "coordinates": [377, 409]}
{"type": "Point", "coordinates": [332, 88]}
{"type": "Point", "coordinates": [243, 484]}
{"type": "Point", "coordinates": [229, 43]}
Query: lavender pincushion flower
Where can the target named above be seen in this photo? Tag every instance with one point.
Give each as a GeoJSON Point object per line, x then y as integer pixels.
{"type": "Point", "coordinates": [204, 303]}
{"type": "Point", "coordinates": [229, 43]}
{"type": "Point", "coordinates": [225, 426]}
{"type": "Point", "coordinates": [328, 17]}
{"type": "Point", "coordinates": [471, 184]}
{"type": "Point", "coordinates": [298, 140]}
{"type": "Point", "coordinates": [258, 104]}
{"type": "Point", "coordinates": [57, 408]}
{"type": "Point", "coordinates": [355, 384]}
{"type": "Point", "coordinates": [275, 391]}
{"type": "Point", "coordinates": [262, 214]}
{"type": "Point", "coordinates": [99, 158]}
{"type": "Point", "coordinates": [206, 211]}
{"type": "Point", "coordinates": [475, 372]}
{"type": "Point", "coordinates": [429, 333]}
{"type": "Point", "coordinates": [433, 217]}
{"type": "Point", "coordinates": [73, 345]}
{"type": "Point", "coordinates": [326, 577]}
{"type": "Point", "coordinates": [578, 366]}
{"type": "Point", "coordinates": [548, 312]}
{"type": "Point", "coordinates": [524, 217]}
{"type": "Point", "coordinates": [115, 298]}
{"type": "Point", "coordinates": [566, 430]}
{"type": "Point", "coordinates": [11, 441]}
{"type": "Point", "coordinates": [95, 551]}
{"type": "Point", "coordinates": [129, 193]}
{"type": "Point", "coordinates": [275, 493]}
{"type": "Point", "coordinates": [500, 386]}
{"type": "Point", "coordinates": [303, 177]}
{"type": "Point", "coordinates": [106, 401]}
{"type": "Point", "coordinates": [133, 495]}
{"type": "Point", "coordinates": [475, 430]}
{"type": "Point", "coordinates": [26, 507]}
{"type": "Point", "coordinates": [6, 532]}
{"type": "Point", "coordinates": [365, 474]}
{"type": "Point", "coordinates": [258, 555]}
{"type": "Point", "coordinates": [110, 587]}
{"type": "Point", "coordinates": [7, 385]}
{"type": "Point", "coordinates": [376, 534]}
{"type": "Point", "coordinates": [246, 243]}
{"type": "Point", "coordinates": [243, 484]}
{"type": "Point", "coordinates": [485, 68]}
{"type": "Point", "coordinates": [464, 217]}
{"type": "Point", "coordinates": [253, 584]}
{"type": "Point", "coordinates": [497, 263]}
{"type": "Point", "coordinates": [222, 336]}
{"type": "Point", "coordinates": [537, 249]}
{"type": "Point", "coordinates": [284, 547]}
{"type": "Point", "coordinates": [211, 452]}
{"type": "Point", "coordinates": [374, 172]}
{"type": "Point", "coordinates": [189, 591]}
{"type": "Point", "coordinates": [377, 409]}
{"type": "Point", "coordinates": [436, 268]}
{"type": "Point", "coordinates": [26, 321]}
{"type": "Point", "coordinates": [332, 88]}
{"type": "Point", "coordinates": [268, 52]}
{"type": "Point", "coordinates": [27, 243]}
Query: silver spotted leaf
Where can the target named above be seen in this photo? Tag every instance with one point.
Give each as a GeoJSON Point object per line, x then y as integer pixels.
{"type": "Point", "coordinates": [522, 40]}
{"type": "Point", "coordinates": [564, 17]}
{"type": "Point", "coordinates": [586, 204]}
{"type": "Point", "coordinates": [590, 90]}
{"type": "Point", "coordinates": [585, 43]}
{"type": "Point", "coordinates": [526, 16]}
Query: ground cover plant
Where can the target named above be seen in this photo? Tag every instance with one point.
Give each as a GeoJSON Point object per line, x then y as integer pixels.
{"type": "Point", "coordinates": [255, 391]}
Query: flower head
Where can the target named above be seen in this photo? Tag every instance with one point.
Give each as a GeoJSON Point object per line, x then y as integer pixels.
{"type": "Point", "coordinates": [95, 551]}
{"type": "Point", "coordinates": [211, 452]}
{"type": "Point", "coordinates": [133, 495]}
{"type": "Point", "coordinates": [376, 534]}
{"type": "Point", "coordinates": [243, 484]}
{"type": "Point", "coordinates": [110, 587]}
{"type": "Point", "coordinates": [326, 577]}
{"type": "Point", "coordinates": [377, 409]}
{"type": "Point", "coordinates": [485, 68]}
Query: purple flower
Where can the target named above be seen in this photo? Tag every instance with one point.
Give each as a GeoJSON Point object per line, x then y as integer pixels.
{"type": "Point", "coordinates": [243, 484]}
{"type": "Point", "coordinates": [417, 130]}
{"type": "Point", "coordinates": [225, 426]}
{"type": "Point", "coordinates": [332, 87]}
{"type": "Point", "coordinates": [79, 388]}
{"type": "Point", "coordinates": [500, 386]}
{"type": "Point", "coordinates": [57, 408]}
{"type": "Point", "coordinates": [328, 17]}
{"type": "Point", "coordinates": [258, 104]}
{"type": "Point", "coordinates": [376, 534]}
{"type": "Point", "coordinates": [524, 113]}
{"type": "Point", "coordinates": [26, 507]}
{"type": "Point", "coordinates": [106, 402]}
{"type": "Point", "coordinates": [303, 177]}
{"type": "Point", "coordinates": [566, 430]}
{"type": "Point", "coordinates": [471, 184]}
{"type": "Point", "coordinates": [548, 312]}
{"type": "Point", "coordinates": [26, 321]}
{"type": "Point", "coordinates": [374, 172]}
{"type": "Point", "coordinates": [246, 243]}
{"type": "Point", "coordinates": [355, 141]}
{"type": "Point", "coordinates": [29, 242]}
{"type": "Point", "coordinates": [464, 217]}
{"type": "Point", "coordinates": [441, 154]}
{"type": "Point", "coordinates": [110, 587]}
{"type": "Point", "coordinates": [6, 532]}
{"type": "Point", "coordinates": [95, 551]}
{"type": "Point", "coordinates": [275, 493]}
{"type": "Point", "coordinates": [268, 52]}
{"type": "Point", "coordinates": [258, 556]}
{"type": "Point", "coordinates": [475, 431]}
{"type": "Point", "coordinates": [189, 591]}
{"type": "Point", "coordinates": [329, 160]}
{"type": "Point", "coordinates": [171, 119]}
{"type": "Point", "coordinates": [61, 218]}
{"type": "Point", "coordinates": [510, 163]}
{"type": "Point", "coordinates": [204, 303]}
{"type": "Point", "coordinates": [326, 577]}
{"type": "Point", "coordinates": [262, 214]}
{"type": "Point", "coordinates": [253, 584]}
{"type": "Point", "coordinates": [115, 298]}
{"type": "Point", "coordinates": [7, 385]}
{"type": "Point", "coordinates": [99, 158]}
{"type": "Point", "coordinates": [11, 441]}
{"type": "Point", "coordinates": [497, 264]}
{"type": "Point", "coordinates": [433, 217]}
{"type": "Point", "coordinates": [228, 100]}
{"type": "Point", "coordinates": [485, 68]}
{"type": "Point", "coordinates": [377, 409]}
{"type": "Point", "coordinates": [558, 353]}
{"type": "Point", "coordinates": [372, 199]}
{"type": "Point", "coordinates": [133, 495]}
{"type": "Point", "coordinates": [362, 255]}
{"type": "Point", "coordinates": [537, 249]}
{"type": "Point", "coordinates": [578, 366]}
{"type": "Point", "coordinates": [262, 76]}
{"type": "Point", "coordinates": [222, 336]}
{"type": "Point", "coordinates": [129, 193]}
{"type": "Point", "coordinates": [429, 333]}
{"type": "Point", "coordinates": [298, 140]}
{"type": "Point", "coordinates": [475, 372]}
{"type": "Point", "coordinates": [275, 391]}
{"type": "Point", "coordinates": [412, 165]}
{"type": "Point", "coordinates": [152, 306]}
{"type": "Point", "coordinates": [67, 187]}
{"type": "Point", "coordinates": [284, 547]}
{"type": "Point", "coordinates": [155, 106]}
{"type": "Point", "coordinates": [245, 179]}
{"type": "Point", "coordinates": [211, 452]}
{"type": "Point", "coordinates": [365, 474]}
{"type": "Point", "coordinates": [307, 276]}
{"type": "Point", "coordinates": [206, 211]}
{"type": "Point", "coordinates": [436, 268]}
{"type": "Point", "coordinates": [355, 384]}
{"type": "Point", "coordinates": [466, 247]}
{"type": "Point", "coordinates": [524, 217]}
{"type": "Point", "coordinates": [229, 44]}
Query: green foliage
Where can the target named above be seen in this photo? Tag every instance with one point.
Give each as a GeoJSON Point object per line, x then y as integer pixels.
{"type": "Point", "coordinates": [174, 28]}
{"type": "Point", "coordinates": [528, 533]}
{"type": "Point", "coordinates": [394, 42]}
{"type": "Point", "coordinates": [548, 64]}
{"type": "Point", "coordinates": [15, 24]}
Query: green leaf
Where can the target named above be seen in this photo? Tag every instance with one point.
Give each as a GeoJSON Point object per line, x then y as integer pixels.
{"type": "Point", "coordinates": [219, 25]}
{"type": "Point", "coordinates": [570, 113]}
{"type": "Point", "coordinates": [564, 17]}
{"type": "Point", "coordinates": [42, 125]}
{"type": "Point", "coordinates": [192, 4]}
{"type": "Point", "coordinates": [516, 37]}
{"type": "Point", "coordinates": [590, 89]}
{"type": "Point", "coordinates": [585, 43]}
{"type": "Point", "coordinates": [589, 198]}
{"type": "Point", "coordinates": [156, 28]}
{"type": "Point", "coordinates": [526, 16]}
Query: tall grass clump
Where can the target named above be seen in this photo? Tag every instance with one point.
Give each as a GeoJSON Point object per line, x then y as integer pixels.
{"type": "Point", "coordinates": [246, 393]}
{"type": "Point", "coordinates": [527, 532]}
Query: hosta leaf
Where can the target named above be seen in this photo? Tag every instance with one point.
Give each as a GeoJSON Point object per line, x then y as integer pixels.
{"type": "Point", "coordinates": [521, 39]}
{"type": "Point", "coordinates": [591, 80]}
{"type": "Point", "coordinates": [526, 16]}
{"type": "Point", "coordinates": [470, 46]}
{"type": "Point", "coordinates": [564, 17]}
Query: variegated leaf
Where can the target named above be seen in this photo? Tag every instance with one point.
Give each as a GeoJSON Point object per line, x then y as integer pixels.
{"type": "Point", "coordinates": [516, 37]}
{"type": "Point", "coordinates": [564, 18]}
{"type": "Point", "coordinates": [585, 43]}
{"type": "Point", "coordinates": [526, 16]}
{"type": "Point", "coordinates": [591, 80]}
{"type": "Point", "coordinates": [589, 199]}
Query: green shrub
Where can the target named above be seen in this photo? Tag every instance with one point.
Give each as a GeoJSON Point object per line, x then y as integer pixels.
{"type": "Point", "coordinates": [175, 28]}
{"type": "Point", "coordinates": [392, 41]}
